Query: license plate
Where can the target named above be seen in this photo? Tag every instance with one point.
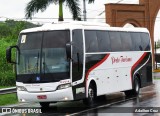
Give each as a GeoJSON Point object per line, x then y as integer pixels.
{"type": "Point", "coordinates": [41, 97]}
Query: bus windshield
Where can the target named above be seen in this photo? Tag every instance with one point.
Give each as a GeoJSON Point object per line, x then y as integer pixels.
{"type": "Point", "coordinates": [43, 52]}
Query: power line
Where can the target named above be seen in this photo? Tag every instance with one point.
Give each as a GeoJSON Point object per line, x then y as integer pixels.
{"type": "Point", "coordinates": [71, 18]}
{"type": "Point", "coordinates": [120, 20]}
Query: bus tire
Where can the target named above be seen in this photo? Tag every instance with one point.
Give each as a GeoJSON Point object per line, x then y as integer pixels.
{"type": "Point", "coordinates": [44, 104]}
{"type": "Point", "coordinates": [92, 94]}
{"type": "Point", "coordinates": [136, 88]}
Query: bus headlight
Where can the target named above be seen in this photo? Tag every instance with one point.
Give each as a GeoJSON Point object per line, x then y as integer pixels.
{"type": "Point", "coordinates": [21, 88]}
{"type": "Point", "coordinates": [64, 86]}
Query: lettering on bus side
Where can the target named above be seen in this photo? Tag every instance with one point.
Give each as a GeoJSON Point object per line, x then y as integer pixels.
{"type": "Point", "coordinates": [120, 59]}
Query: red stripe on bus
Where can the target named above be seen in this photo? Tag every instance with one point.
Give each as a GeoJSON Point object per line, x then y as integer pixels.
{"type": "Point", "coordinates": [96, 65]}
{"type": "Point", "coordinates": [134, 66]}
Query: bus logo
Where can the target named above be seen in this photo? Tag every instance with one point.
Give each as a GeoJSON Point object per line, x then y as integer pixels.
{"type": "Point", "coordinates": [37, 78]}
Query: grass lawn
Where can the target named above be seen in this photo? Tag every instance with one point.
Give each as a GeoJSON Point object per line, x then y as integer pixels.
{"type": "Point", "coordinates": [8, 99]}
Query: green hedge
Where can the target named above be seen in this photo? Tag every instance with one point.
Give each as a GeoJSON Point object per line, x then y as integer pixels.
{"type": "Point", "coordinates": [9, 31]}
{"type": "Point", "coordinates": [7, 75]}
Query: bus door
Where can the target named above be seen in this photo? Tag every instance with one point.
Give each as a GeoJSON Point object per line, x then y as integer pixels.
{"type": "Point", "coordinates": [77, 64]}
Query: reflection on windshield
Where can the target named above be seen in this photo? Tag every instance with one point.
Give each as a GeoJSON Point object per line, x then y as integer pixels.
{"type": "Point", "coordinates": [54, 60]}
{"type": "Point", "coordinates": [29, 62]}
{"type": "Point", "coordinates": [43, 52]}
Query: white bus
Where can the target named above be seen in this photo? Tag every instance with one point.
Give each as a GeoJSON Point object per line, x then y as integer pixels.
{"type": "Point", "coordinates": [75, 61]}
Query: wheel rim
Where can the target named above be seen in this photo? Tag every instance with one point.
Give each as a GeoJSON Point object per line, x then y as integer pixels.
{"type": "Point", "coordinates": [91, 94]}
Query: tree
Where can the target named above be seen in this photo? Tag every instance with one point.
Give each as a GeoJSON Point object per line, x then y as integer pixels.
{"type": "Point", "coordinates": [35, 5]}
{"type": "Point", "coordinates": [84, 6]}
{"type": "Point", "coordinates": [91, 1]}
{"type": "Point", "coordinates": [158, 44]}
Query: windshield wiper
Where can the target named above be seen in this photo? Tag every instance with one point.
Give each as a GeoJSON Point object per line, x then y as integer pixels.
{"type": "Point", "coordinates": [45, 65]}
{"type": "Point", "coordinates": [36, 65]}
{"type": "Point", "coordinates": [37, 62]}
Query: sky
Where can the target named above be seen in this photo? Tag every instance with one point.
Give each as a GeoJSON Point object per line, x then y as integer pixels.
{"type": "Point", "coordinates": [15, 9]}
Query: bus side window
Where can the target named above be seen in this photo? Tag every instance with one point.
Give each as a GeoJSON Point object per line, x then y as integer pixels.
{"type": "Point", "coordinates": [77, 56]}
{"type": "Point", "coordinates": [116, 44]}
{"type": "Point", "coordinates": [126, 41]}
{"type": "Point", "coordinates": [77, 45]}
{"type": "Point", "coordinates": [145, 41]}
{"type": "Point", "coordinates": [136, 41]}
{"type": "Point", "coordinates": [103, 41]}
{"type": "Point", "coordinates": [91, 41]}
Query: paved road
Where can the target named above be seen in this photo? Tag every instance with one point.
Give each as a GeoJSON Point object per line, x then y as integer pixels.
{"type": "Point", "coordinates": [110, 105]}
{"type": "Point", "coordinates": [148, 101]}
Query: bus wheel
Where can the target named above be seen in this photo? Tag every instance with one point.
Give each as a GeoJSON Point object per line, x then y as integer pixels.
{"type": "Point", "coordinates": [92, 94]}
{"type": "Point", "coordinates": [135, 90]}
{"type": "Point", "coordinates": [136, 86]}
{"type": "Point", "coordinates": [44, 104]}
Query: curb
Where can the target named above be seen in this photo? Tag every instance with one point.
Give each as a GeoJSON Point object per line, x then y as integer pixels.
{"type": "Point", "coordinates": [8, 90]}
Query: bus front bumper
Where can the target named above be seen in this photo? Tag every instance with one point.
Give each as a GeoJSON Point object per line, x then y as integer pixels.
{"type": "Point", "coordinates": [54, 96]}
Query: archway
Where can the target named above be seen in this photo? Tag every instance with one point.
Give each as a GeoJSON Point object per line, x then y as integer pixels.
{"type": "Point", "coordinates": [157, 27]}
{"type": "Point", "coordinates": [142, 15]}
{"type": "Point", "coordinates": [132, 22]}
{"type": "Point", "coordinates": [128, 25]}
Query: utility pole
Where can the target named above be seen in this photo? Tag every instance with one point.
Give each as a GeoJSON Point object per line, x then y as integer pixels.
{"type": "Point", "coordinates": [84, 10]}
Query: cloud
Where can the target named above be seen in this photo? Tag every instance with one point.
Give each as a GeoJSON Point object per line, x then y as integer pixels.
{"type": "Point", "coordinates": [12, 8]}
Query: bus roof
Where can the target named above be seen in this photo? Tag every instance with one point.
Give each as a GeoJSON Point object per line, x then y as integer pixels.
{"type": "Point", "coordinates": [82, 25]}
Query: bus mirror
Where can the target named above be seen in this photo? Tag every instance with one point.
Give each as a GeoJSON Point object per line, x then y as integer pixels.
{"type": "Point", "coordinates": [9, 54]}
{"type": "Point", "coordinates": [68, 50]}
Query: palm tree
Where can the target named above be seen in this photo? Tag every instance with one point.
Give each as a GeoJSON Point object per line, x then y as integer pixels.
{"type": "Point", "coordinates": [35, 5]}
{"type": "Point", "coordinates": [91, 1]}
{"type": "Point", "coordinates": [84, 8]}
